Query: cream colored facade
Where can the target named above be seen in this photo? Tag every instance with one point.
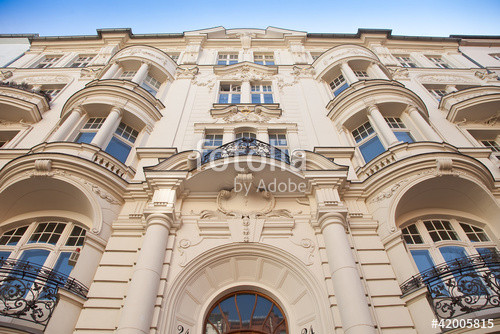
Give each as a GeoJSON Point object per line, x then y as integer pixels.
{"type": "Point", "coordinates": [161, 149]}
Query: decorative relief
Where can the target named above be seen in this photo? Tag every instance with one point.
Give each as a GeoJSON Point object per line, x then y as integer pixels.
{"type": "Point", "coordinates": [432, 78]}
{"type": "Point", "coordinates": [399, 73]}
{"type": "Point", "coordinates": [182, 246]}
{"type": "Point", "coordinates": [346, 53]}
{"type": "Point", "coordinates": [186, 72]}
{"type": "Point", "coordinates": [144, 54]}
{"type": "Point", "coordinates": [247, 73]}
{"type": "Point", "coordinates": [5, 75]}
{"type": "Point", "coordinates": [490, 121]}
{"type": "Point", "coordinates": [205, 81]}
{"type": "Point", "coordinates": [46, 79]}
{"type": "Point", "coordinates": [484, 75]}
{"type": "Point", "coordinates": [101, 193]}
{"type": "Point", "coordinates": [90, 72]}
{"type": "Point", "coordinates": [309, 245]}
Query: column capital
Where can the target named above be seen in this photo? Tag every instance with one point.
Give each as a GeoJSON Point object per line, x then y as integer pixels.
{"type": "Point", "coordinates": [328, 218]}
{"type": "Point", "coordinates": [371, 108]}
{"type": "Point", "coordinates": [164, 219]}
{"type": "Point", "coordinates": [79, 110]}
{"type": "Point", "coordinates": [117, 110]}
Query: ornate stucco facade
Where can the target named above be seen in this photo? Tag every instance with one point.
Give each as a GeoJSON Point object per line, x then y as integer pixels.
{"type": "Point", "coordinates": [250, 181]}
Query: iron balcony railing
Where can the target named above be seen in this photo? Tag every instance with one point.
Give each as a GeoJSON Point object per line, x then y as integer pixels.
{"type": "Point", "coordinates": [465, 285]}
{"type": "Point", "coordinates": [29, 291]}
{"type": "Point", "coordinates": [245, 146]}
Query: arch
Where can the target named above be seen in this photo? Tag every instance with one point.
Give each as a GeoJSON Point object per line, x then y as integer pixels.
{"type": "Point", "coordinates": [332, 57]}
{"type": "Point", "coordinates": [446, 194]}
{"type": "Point", "coordinates": [476, 105]}
{"type": "Point", "coordinates": [20, 105]}
{"type": "Point", "coordinates": [257, 267]}
{"type": "Point", "coordinates": [157, 57]}
{"type": "Point", "coordinates": [353, 100]}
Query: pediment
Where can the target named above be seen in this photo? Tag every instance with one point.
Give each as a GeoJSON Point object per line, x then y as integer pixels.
{"type": "Point", "coordinates": [246, 113]}
{"type": "Point", "coordinates": [245, 71]}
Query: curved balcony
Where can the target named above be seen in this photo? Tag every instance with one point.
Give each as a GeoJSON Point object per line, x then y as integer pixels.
{"type": "Point", "coordinates": [29, 292]}
{"type": "Point", "coordinates": [463, 286]}
{"type": "Point", "coordinates": [20, 103]}
{"type": "Point", "coordinates": [246, 146]}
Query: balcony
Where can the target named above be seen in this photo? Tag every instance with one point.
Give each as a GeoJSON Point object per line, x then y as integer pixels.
{"type": "Point", "coordinates": [467, 285]}
{"type": "Point", "coordinates": [246, 146]}
{"type": "Point", "coordinates": [29, 292]}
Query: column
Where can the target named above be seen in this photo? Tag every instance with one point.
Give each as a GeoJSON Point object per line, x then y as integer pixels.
{"type": "Point", "coordinates": [68, 308]}
{"type": "Point", "coordinates": [108, 127]}
{"type": "Point", "coordinates": [377, 71]}
{"type": "Point", "coordinates": [245, 92]}
{"type": "Point", "coordinates": [141, 74]}
{"type": "Point", "coordinates": [348, 73]}
{"type": "Point", "coordinates": [381, 126]}
{"type": "Point", "coordinates": [111, 72]}
{"type": "Point", "coordinates": [137, 311]}
{"type": "Point", "coordinates": [349, 292]}
{"type": "Point", "coordinates": [422, 124]}
{"type": "Point", "coordinates": [68, 125]}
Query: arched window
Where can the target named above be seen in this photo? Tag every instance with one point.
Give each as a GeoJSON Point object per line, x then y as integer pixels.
{"type": "Point", "coordinates": [47, 243]}
{"type": "Point", "coordinates": [245, 312]}
{"type": "Point", "coordinates": [438, 240]}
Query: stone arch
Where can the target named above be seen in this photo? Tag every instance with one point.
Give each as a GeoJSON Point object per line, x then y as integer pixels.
{"type": "Point", "coordinates": [258, 267]}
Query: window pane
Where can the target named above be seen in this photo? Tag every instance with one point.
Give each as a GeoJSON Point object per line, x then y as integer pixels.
{"type": "Point", "coordinates": [371, 149]}
{"type": "Point", "coordinates": [223, 98]}
{"type": "Point", "coordinates": [403, 136]}
{"type": "Point", "coordinates": [235, 98]}
{"type": "Point", "coordinates": [341, 89]}
{"type": "Point", "coordinates": [85, 137]}
{"type": "Point", "coordinates": [118, 149]}
{"type": "Point", "coordinates": [255, 98]}
{"type": "Point", "coordinates": [62, 265]}
{"type": "Point", "coordinates": [422, 259]}
{"type": "Point", "coordinates": [268, 98]}
{"type": "Point", "coordinates": [35, 256]}
{"type": "Point", "coordinates": [4, 255]}
{"type": "Point", "coordinates": [451, 253]}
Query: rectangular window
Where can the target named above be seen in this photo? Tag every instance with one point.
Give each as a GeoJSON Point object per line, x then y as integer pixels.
{"type": "Point", "coordinates": [47, 62]}
{"type": "Point", "coordinates": [151, 85]}
{"type": "Point", "coordinates": [51, 92]}
{"type": "Point", "coordinates": [338, 85]}
{"type": "Point", "coordinates": [361, 74]}
{"type": "Point", "coordinates": [279, 141]}
{"type": "Point", "coordinates": [229, 93]}
{"type": "Point", "coordinates": [369, 144]}
{"type": "Point", "coordinates": [263, 58]}
{"type": "Point", "coordinates": [122, 141]}
{"type": "Point", "coordinates": [437, 93]}
{"type": "Point", "coordinates": [227, 59]}
{"type": "Point", "coordinates": [475, 234]}
{"type": "Point", "coordinates": [62, 266]}
{"type": "Point", "coordinates": [422, 259]}
{"type": "Point", "coordinates": [440, 230]}
{"type": "Point", "coordinates": [12, 237]}
{"type": "Point", "coordinates": [438, 61]}
{"type": "Point", "coordinates": [82, 61]}
{"type": "Point", "coordinates": [211, 142]}
{"type": "Point", "coordinates": [245, 134]}
{"type": "Point", "coordinates": [406, 61]}
{"type": "Point", "coordinates": [262, 94]}
{"type": "Point", "coordinates": [399, 129]}
{"type": "Point", "coordinates": [127, 75]}
{"type": "Point", "coordinates": [77, 237]}
{"type": "Point", "coordinates": [89, 130]}
{"type": "Point", "coordinates": [491, 144]}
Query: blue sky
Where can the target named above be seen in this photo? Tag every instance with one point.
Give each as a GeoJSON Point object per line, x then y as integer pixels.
{"type": "Point", "coordinates": [404, 17]}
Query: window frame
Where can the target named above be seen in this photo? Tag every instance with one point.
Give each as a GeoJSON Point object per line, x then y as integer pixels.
{"type": "Point", "coordinates": [366, 139]}
{"type": "Point", "coordinates": [267, 58]}
{"type": "Point", "coordinates": [47, 61]}
{"type": "Point", "coordinates": [406, 61]}
{"type": "Point", "coordinates": [265, 90]}
{"type": "Point", "coordinates": [234, 90]}
{"type": "Point", "coordinates": [82, 60]}
{"type": "Point", "coordinates": [134, 133]}
{"type": "Point", "coordinates": [438, 61]}
{"type": "Point", "coordinates": [227, 58]}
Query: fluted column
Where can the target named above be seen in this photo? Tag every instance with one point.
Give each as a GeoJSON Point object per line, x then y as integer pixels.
{"type": "Point", "coordinates": [348, 73]}
{"type": "Point", "coordinates": [111, 72]}
{"type": "Point", "coordinates": [422, 124]}
{"type": "Point", "coordinates": [381, 126]}
{"type": "Point", "coordinates": [379, 74]}
{"type": "Point", "coordinates": [245, 92]}
{"type": "Point", "coordinates": [138, 309]}
{"type": "Point", "coordinates": [141, 74]}
{"type": "Point", "coordinates": [68, 125]}
{"type": "Point", "coordinates": [349, 292]}
{"type": "Point", "coordinates": [108, 127]}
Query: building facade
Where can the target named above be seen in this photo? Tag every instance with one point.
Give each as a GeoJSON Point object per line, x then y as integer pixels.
{"type": "Point", "coordinates": [250, 181]}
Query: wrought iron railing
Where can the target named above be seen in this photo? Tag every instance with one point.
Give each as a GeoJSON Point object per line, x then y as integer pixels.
{"type": "Point", "coordinates": [465, 285]}
{"type": "Point", "coordinates": [29, 291]}
{"type": "Point", "coordinates": [245, 146]}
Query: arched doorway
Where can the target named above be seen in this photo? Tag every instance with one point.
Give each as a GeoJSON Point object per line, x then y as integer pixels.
{"type": "Point", "coordinates": [245, 312]}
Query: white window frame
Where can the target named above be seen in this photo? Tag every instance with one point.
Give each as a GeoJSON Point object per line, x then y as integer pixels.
{"type": "Point", "coordinates": [361, 74]}
{"type": "Point", "coordinates": [151, 84]}
{"type": "Point", "coordinates": [438, 93]}
{"type": "Point", "coordinates": [438, 61]}
{"type": "Point", "coordinates": [82, 61]}
{"type": "Point", "coordinates": [280, 136]}
{"type": "Point", "coordinates": [406, 61]}
{"type": "Point", "coordinates": [227, 58]}
{"type": "Point", "coordinates": [234, 89]}
{"type": "Point", "coordinates": [259, 91]}
{"type": "Point", "coordinates": [127, 75]}
{"type": "Point", "coordinates": [495, 56]}
{"type": "Point", "coordinates": [264, 58]}
{"type": "Point", "coordinates": [48, 61]}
